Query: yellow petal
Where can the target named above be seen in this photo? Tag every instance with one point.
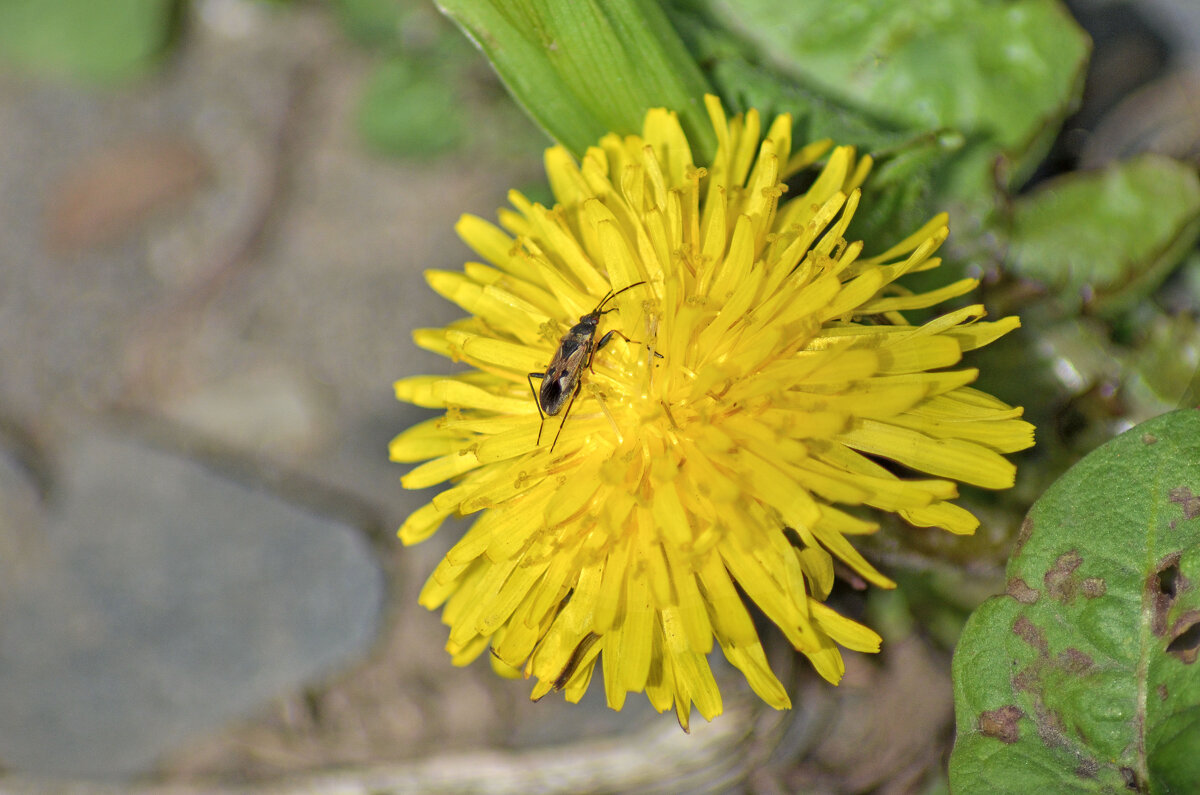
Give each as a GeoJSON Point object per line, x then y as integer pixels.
{"type": "Point", "coordinates": [424, 440]}
{"type": "Point", "coordinates": [828, 662]}
{"type": "Point", "coordinates": [912, 242]}
{"type": "Point", "coordinates": [422, 523]}
{"type": "Point", "coordinates": [848, 633]}
{"type": "Point", "coordinates": [493, 245]}
{"type": "Point", "coordinates": [964, 461]}
{"type": "Point", "coordinates": [731, 622]}
{"type": "Point", "coordinates": [944, 515]}
{"type": "Point", "coordinates": [920, 300]}
{"type": "Point", "coordinates": [439, 469]}
{"type": "Point", "coordinates": [752, 662]}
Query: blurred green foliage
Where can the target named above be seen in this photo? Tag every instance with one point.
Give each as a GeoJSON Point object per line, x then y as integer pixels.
{"type": "Point", "coordinates": [403, 111]}
{"type": "Point", "coordinates": [429, 86]}
{"type": "Point", "coordinates": [372, 23]}
{"type": "Point", "coordinates": [86, 40]}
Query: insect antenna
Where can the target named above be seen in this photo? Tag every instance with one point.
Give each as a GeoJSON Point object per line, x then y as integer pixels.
{"type": "Point", "coordinates": [610, 295]}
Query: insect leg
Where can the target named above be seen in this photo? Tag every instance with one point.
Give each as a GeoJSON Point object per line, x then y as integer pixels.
{"type": "Point", "coordinates": [608, 336]}
{"type": "Point", "coordinates": [578, 386]}
{"type": "Point", "coordinates": [537, 403]}
{"type": "Point", "coordinates": [604, 341]}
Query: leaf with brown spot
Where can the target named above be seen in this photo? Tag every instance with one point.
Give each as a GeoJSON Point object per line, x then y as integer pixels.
{"type": "Point", "coordinates": [1019, 589]}
{"type": "Point", "coordinates": [1087, 768]}
{"type": "Point", "coordinates": [1076, 662]}
{"type": "Point", "coordinates": [1060, 579]}
{"type": "Point", "coordinates": [1095, 688]}
{"type": "Point", "coordinates": [1162, 588]}
{"type": "Point", "coordinates": [1025, 629]}
{"type": "Point", "coordinates": [1001, 723]}
{"type": "Point", "coordinates": [1189, 502]}
{"type": "Point", "coordinates": [1024, 535]}
{"type": "Point", "coordinates": [1185, 637]}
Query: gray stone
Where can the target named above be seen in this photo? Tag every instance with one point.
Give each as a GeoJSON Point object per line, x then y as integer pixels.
{"type": "Point", "coordinates": [164, 601]}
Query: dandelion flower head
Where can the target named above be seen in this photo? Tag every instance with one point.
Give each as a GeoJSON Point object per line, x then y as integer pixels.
{"type": "Point", "coordinates": [764, 381]}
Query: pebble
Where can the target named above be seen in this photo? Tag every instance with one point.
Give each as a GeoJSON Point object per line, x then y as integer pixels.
{"type": "Point", "coordinates": [160, 600]}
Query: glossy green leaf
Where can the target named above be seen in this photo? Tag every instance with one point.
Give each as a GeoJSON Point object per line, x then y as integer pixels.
{"type": "Point", "coordinates": [85, 39]}
{"type": "Point", "coordinates": [1108, 236]}
{"type": "Point", "coordinates": [583, 69]}
{"type": "Point", "coordinates": [1008, 71]}
{"type": "Point", "coordinates": [1084, 677]}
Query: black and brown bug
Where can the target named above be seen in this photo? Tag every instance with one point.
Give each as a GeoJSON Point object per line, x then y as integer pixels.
{"type": "Point", "coordinates": [561, 381]}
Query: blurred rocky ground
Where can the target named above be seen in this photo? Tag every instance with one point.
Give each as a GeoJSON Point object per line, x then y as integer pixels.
{"type": "Point", "coordinates": [206, 289]}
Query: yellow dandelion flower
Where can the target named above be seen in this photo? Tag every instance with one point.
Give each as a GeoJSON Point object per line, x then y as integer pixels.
{"type": "Point", "coordinates": [759, 370]}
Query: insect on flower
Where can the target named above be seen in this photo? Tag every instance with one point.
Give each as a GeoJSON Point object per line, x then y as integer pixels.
{"type": "Point", "coordinates": [575, 351]}
{"type": "Point", "coordinates": [733, 461]}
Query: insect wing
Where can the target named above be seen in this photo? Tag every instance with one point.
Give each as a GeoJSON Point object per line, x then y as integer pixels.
{"type": "Point", "coordinates": [561, 377]}
{"type": "Point", "coordinates": [568, 345]}
{"type": "Point", "coordinates": [553, 392]}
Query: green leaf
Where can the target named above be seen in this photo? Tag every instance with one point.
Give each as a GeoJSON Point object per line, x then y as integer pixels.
{"type": "Point", "coordinates": [1110, 235]}
{"type": "Point", "coordinates": [958, 99]}
{"type": "Point", "coordinates": [1083, 677]}
{"type": "Point", "coordinates": [1006, 70]}
{"type": "Point", "coordinates": [585, 68]}
{"type": "Point", "coordinates": [84, 39]}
